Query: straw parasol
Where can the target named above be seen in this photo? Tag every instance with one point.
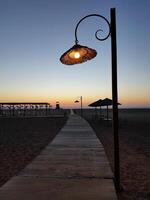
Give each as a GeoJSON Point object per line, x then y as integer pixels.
{"type": "Point", "coordinates": [99, 103]}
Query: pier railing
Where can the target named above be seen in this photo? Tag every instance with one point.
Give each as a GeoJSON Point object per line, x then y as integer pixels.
{"type": "Point", "coordinates": [24, 109]}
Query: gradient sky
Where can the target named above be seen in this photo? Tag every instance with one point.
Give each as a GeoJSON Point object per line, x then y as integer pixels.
{"type": "Point", "coordinates": [34, 34]}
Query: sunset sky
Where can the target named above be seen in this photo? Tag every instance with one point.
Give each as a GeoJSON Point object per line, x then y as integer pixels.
{"type": "Point", "coordinates": [35, 33]}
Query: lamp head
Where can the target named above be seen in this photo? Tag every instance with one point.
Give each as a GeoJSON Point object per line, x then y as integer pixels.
{"type": "Point", "coordinates": [77, 54]}
{"type": "Point", "coordinates": [76, 101]}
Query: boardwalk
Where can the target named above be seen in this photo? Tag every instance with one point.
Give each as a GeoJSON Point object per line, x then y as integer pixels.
{"type": "Point", "coordinates": [73, 167]}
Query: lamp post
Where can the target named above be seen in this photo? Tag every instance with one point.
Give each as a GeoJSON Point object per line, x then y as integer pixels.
{"type": "Point", "coordinates": [81, 105]}
{"type": "Point", "coordinates": [79, 54]}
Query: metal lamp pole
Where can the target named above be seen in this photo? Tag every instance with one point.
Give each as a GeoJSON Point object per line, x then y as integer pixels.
{"type": "Point", "coordinates": [81, 110]}
{"type": "Point", "coordinates": [115, 98]}
{"type": "Point", "coordinates": [78, 54]}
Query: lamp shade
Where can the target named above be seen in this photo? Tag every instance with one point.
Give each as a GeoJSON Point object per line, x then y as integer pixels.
{"type": "Point", "coordinates": [76, 101]}
{"type": "Point", "coordinates": [77, 54]}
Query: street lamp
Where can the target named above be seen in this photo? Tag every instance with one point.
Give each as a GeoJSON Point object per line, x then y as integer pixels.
{"type": "Point", "coordinates": [77, 101]}
{"type": "Point", "coordinates": [78, 54]}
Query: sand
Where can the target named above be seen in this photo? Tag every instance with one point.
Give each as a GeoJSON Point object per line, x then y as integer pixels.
{"type": "Point", "coordinates": [22, 139]}
{"type": "Point", "coordinates": [134, 131]}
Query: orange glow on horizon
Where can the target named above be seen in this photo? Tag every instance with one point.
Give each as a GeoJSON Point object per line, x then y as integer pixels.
{"type": "Point", "coordinates": [68, 101]}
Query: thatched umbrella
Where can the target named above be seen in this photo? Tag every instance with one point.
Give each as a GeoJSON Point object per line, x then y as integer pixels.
{"type": "Point", "coordinates": [105, 102]}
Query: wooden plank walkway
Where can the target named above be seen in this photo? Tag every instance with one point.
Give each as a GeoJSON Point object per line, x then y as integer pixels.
{"type": "Point", "coordinates": [73, 167]}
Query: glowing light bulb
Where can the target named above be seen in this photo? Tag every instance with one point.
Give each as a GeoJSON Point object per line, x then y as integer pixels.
{"type": "Point", "coordinates": [76, 55]}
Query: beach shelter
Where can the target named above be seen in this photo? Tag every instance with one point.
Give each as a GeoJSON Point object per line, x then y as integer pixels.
{"type": "Point", "coordinates": [99, 103]}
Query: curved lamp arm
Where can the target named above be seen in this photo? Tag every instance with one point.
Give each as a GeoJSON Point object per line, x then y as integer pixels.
{"type": "Point", "coordinates": [96, 33]}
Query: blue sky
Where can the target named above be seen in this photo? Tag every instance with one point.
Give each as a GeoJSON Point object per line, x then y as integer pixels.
{"type": "Point", "coordinates": [34, 34]}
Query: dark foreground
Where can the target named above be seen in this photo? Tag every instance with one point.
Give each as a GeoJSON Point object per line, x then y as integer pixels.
{"type": "Point", "coordinates": [22, 139]}
{"type": "Point", "coordinates": [134, 131]}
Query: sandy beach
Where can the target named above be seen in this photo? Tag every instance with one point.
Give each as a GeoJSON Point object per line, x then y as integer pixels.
{"type": "Point", "coordinates": [134, 132]}
{"type": "Point", "coordinates": [22, 139]}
